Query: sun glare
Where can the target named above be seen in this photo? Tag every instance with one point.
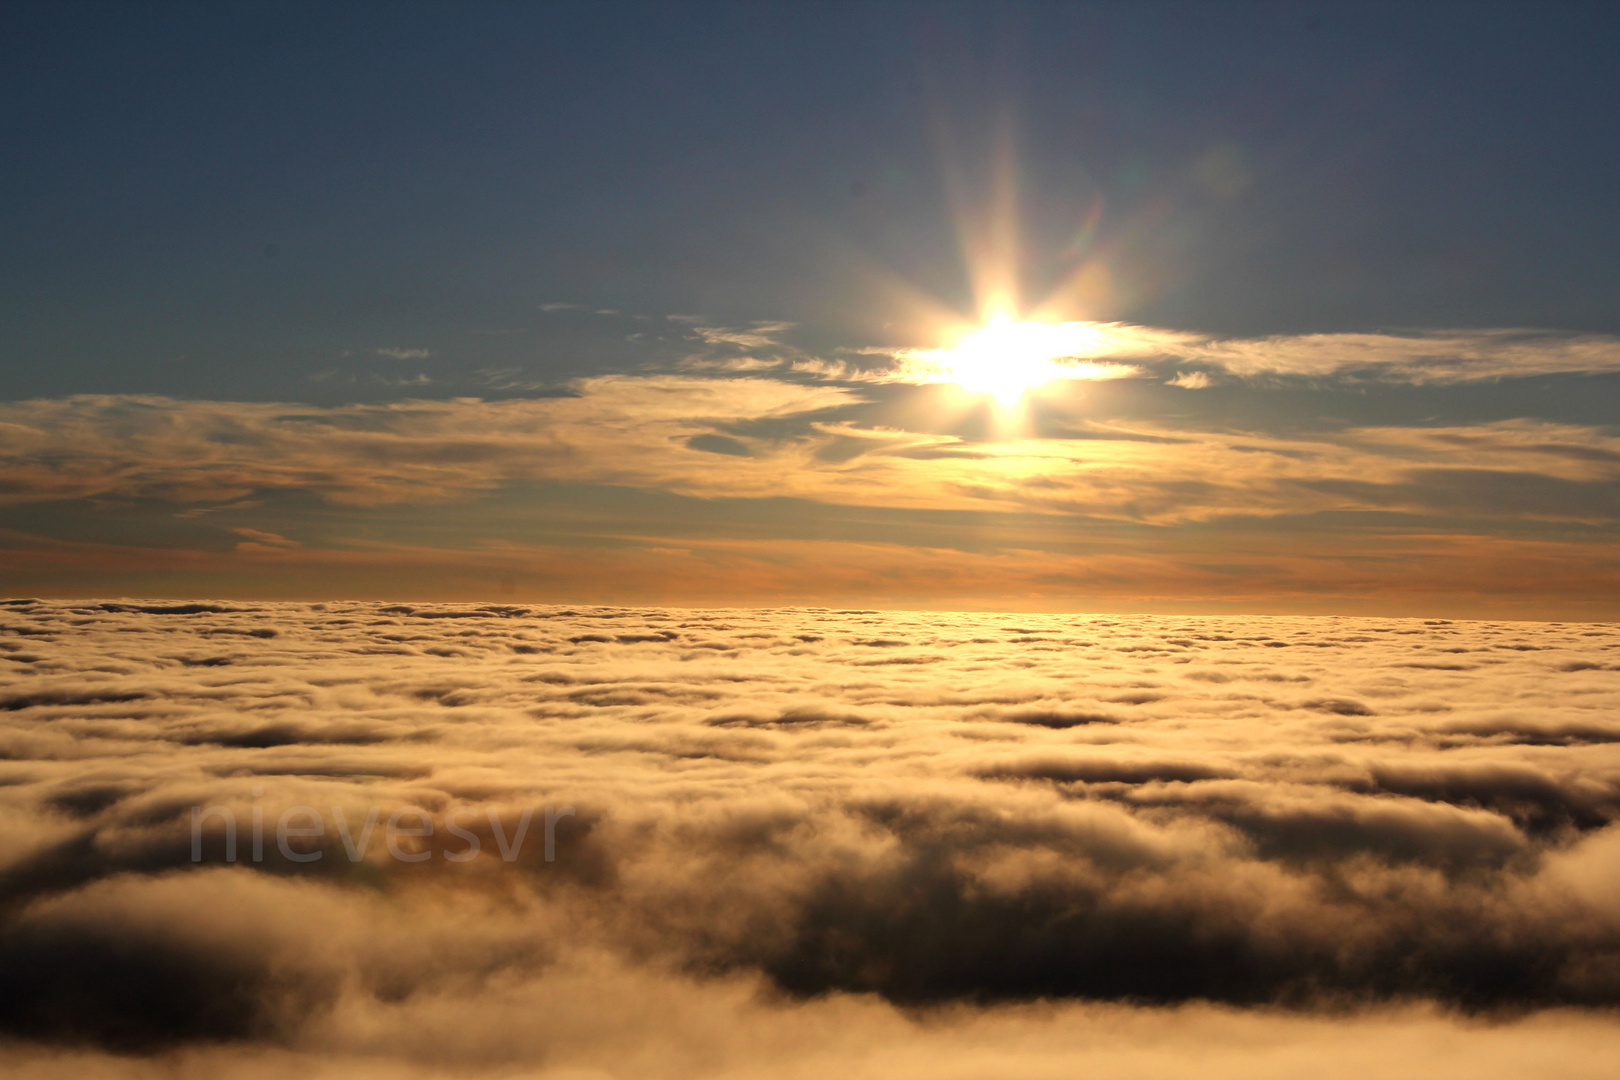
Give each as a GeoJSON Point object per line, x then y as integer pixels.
{"type": "Point", "coordinates": [1007, 358]}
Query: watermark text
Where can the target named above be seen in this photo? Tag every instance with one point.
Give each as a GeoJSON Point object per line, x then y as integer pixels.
{"type": "Point", "coordinates": [410, 834]}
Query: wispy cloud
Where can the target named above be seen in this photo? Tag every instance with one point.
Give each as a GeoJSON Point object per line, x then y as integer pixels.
{"type": "Point", "coordinates": [757, 336]}
{"type": "Point", "coordinates": [1115, 350]}
{"type": "Point", "coordinates": [618, 429]}
{"type": "Point", "coordinates": [1429, 357]}
{"type": "Point", "coordinates": [404, 354]}
{"type": "Point", "coordinates": [258, 539]}
{"type": "Point", "coordinates": [637, 431]}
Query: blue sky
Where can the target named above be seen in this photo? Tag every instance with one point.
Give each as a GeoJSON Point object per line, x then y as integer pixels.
{"type": "Point", "coordinates": [224, 199]}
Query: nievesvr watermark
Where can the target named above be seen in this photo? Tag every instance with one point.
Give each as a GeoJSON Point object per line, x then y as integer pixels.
{"type": "Point", "coordinates": [315, 826]}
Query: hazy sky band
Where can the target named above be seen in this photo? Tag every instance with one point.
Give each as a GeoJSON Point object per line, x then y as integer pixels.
{"type": "Point", "coordinates": [784, 486]}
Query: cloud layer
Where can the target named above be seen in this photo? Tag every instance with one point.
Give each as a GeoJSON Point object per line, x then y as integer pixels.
{"type": "Point", "coordinates": [805, 818]}
{"type": "Point", "coordinates": [760, 438]}
{"type": "Point", "coordinates": [1419, 357]}
{"type": "Point", "coordinates": [686, 488]}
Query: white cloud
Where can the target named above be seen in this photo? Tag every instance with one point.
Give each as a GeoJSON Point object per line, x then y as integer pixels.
{"type": "Point", "coordinates": [786, 819]}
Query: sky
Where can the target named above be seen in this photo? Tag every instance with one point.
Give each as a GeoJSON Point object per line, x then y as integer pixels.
{"type": "Point", "coordinates": [729, 304]}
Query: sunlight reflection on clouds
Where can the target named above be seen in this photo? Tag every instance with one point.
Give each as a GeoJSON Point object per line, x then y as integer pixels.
{"type": "Point", "coordinates": [1322, 812]}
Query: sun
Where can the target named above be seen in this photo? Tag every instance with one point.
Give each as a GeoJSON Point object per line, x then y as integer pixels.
{"type": "Point", "coordinates": [1006, 358]}
{"type": "Point", "coordinates": [1003, 358]}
